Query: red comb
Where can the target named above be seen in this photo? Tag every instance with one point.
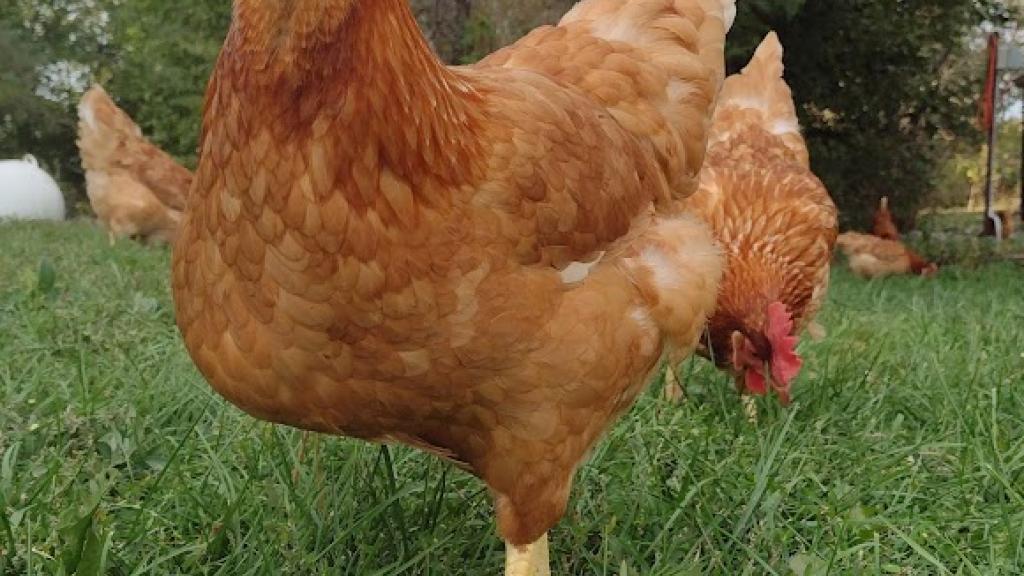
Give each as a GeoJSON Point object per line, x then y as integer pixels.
{"type": "Point", "coordinates": [786, 363]}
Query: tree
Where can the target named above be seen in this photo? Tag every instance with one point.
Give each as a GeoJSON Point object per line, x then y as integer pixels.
{"type": "Point", "coordinates": [28, 123]}
{"type": "Point", "coordinates": [36, 110]}
{"type": "Point", "coordinates": [153, 56]}
{"type": "Point", "coordinates": [881, 112]}
{"type": "Point", "coordinates": [887, 89]}
{"type": "Point", "coordinates": [162, 57]}
{"type": "Point", "coordinates": [445, 23]}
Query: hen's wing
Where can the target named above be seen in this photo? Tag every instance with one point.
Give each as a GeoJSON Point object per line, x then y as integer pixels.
{"type": "Point", "coordinates": [855, 243]}
{"type": "Point", "coordinates": [655, 65]}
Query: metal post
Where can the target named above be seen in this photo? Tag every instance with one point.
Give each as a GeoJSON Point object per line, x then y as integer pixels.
{"type": "Point", "coordinates": [992, 223]}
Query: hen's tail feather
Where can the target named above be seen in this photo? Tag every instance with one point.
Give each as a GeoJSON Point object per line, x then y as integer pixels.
{"type": "Point", "coordinates": [760, 96]}
{"type": "Point", "coordinates": [767, 64]}
{"type": "Point", "coordinates": [729, 11]}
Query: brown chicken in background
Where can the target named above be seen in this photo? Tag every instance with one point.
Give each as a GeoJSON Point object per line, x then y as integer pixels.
{"type": "Point", "coordinates": [134, 188]}
{"type": "Point", "coordinates": [483, 262]}
{"type": "Point", "coordinates": [885, 226]}
{"type": "Point", "coordinates": [873, 257]}
{"type": "Point", "coordinates": [775, 221]}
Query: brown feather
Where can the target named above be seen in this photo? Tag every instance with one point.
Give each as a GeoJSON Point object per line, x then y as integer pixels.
{"type": "Point", "coordinates": [873, 257]}
{"type": "Point", "coordinates": [134, 188]}
{"type": "Point", "coordinates": [375, 242]}
{"type": "Point", "coordinates": [773, 217]}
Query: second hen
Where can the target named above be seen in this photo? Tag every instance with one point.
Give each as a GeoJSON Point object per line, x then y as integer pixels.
{"type": "Point", "coordinates": [774, 219]}
{"type": "Point", "coordinates": [482, 262]}
{"type": "Point", "coordinates": [873, 257]}
{"type": "Point", "coordinates": [134, 188]}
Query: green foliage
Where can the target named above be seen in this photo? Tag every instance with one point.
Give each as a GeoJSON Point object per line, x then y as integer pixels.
{"type": "Point", "coordinates": [165, 53]}
{"type": "Point", "coordinates": [153, 56]}
{"type": "Point", "coordinates": [478, 40]}
{"type": "Point", "coordinates": [47, 278]}
{"type": "Point", "coordinates": [964, 173]}
{"type": "Point", "coordinates": [1008, 156]}
{"type": "Point", "coordinates": [445, 23]}
{"type": "Point", "coordinates": [24, 117]}
{"type": "Point", "coordinates": [953, 239]}
{"type": "Point", "coordinates": [887, 90]}
{"type": "Point", "coordinates": [958, 177]}
{"type": "Point", "coordinates": [754, 18]}
{"type": "Point", "coordinates": [900, 455]}
{"type": "Point", "coordinates": [51, 46]}
{"type": "Point", "coordinates": [30, 124]}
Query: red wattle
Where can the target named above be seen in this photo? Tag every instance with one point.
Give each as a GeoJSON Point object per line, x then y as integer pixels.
{"type": "Point", "coordinates": [755, 383]}
{"type": "Point", "coordinates": [786, 363]}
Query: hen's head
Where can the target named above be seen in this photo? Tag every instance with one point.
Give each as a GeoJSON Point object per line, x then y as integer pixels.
{"type": "Point", "coordinates": [922, 267]}
{"type": "Point", "coordinates": [766, 359]}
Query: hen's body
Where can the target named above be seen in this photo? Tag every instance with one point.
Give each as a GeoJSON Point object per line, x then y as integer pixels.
{"type": "Point", "coordinates": [134, 188]}
{"type": "Point", "coordinates": [874, 257]}
{"type": "Point", "coordinates": [773, 218]}
{"type": "Point", "coordinates": [776, 223]}
{"type": "Point", "coordinates": [376, 244]}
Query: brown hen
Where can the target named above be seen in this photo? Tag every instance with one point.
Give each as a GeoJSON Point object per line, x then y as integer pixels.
{"type": "Point", "coordinates": [873, 257]}
{"type": "Point", "coordinates": [134, 188]}
{"type": "Point", "coordinates": [482, 262]}
{"type": "Point", "coordinates": [775, 221]}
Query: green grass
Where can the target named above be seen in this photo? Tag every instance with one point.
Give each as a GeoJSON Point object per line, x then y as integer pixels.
{"type": "Point", "coordinates": [953, 238]}
{"type": "Point", "coordinates": [903, 454]}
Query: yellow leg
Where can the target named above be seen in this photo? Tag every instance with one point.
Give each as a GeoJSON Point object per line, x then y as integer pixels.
{"type": "Point", "coordinates": [674, 392]}
{"type": "Point", "coordinates": [750, 407]}
{"type": "Point", "coordinates": [531, 560]}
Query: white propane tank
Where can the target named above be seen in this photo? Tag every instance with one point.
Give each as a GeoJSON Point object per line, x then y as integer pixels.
{"type": "Point", "coordinates": [27, 192]}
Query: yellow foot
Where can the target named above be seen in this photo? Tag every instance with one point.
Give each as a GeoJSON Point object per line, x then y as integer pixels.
{"type": "Point", "coordinates": [750, 407]}
{"type": "Point", "coordinates": [674, 392]}
{"type": "Point", "coordinates": [530, 560]}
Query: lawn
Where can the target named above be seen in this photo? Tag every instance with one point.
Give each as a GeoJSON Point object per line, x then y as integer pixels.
{"type": "Point", "coordinates": [903, 453]}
